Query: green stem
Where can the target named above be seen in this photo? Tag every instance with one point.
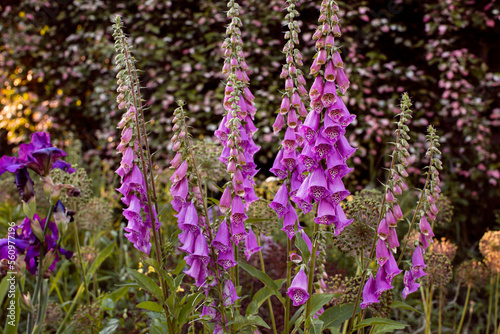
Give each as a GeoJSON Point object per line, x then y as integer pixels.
{"type": "Point", "coordinates": [490, 303]}
{"type": "Point", "coordinates": [497, 325]}
{"type": "Point", "coordinates": [466, 305]}
{"type": "Point", "coordinates": [440, 318]}
{"type": "Point", "coordinates": [80, 259]}
{"type": "Point", "coordinates": [429, 309]}
{"type": "Point", "coordinates": [310, 279]}
{"type": "Point", "coordinates": [269, 303]}
{"type": "Point", "coordinates": [288, 282]}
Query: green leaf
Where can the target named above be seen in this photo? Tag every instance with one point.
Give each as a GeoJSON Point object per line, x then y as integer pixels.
{"type": "Point", "coordinates": [146, 283]}
{"type": "Point", "coordinates": [317, 326]}
{"type": "Point", "coordinates": [180, 266]}
{"type": "Point", "coordinates": [318, 300]}
{"type": "Point", "coordinates": [4, 285]}
{"type": "Point", "coordinates": [153, 263]}
{"type": "Point", "coordinates": [150, 306]}
{"type": "Point", "coordinates": [241, 322]}
{"type": "Point", "coordinates": [111, 326]}
{"type": "Point", "coordinates": [118, 293]}
{"type": "Point", "coordinates": [12, 319]}
{"type": "Point", "coordinates": [335, 316]}
{"type": "Point", "coordinates": [379, 329]}
{"type": "Point", "coordinates": [261, 296]}
{"type": "Point", "coordinates": [304, 250]}
{"type": "Point", "coordinates": [264, 278]}
{"type": "Point", "coordinates": [379, 321]}
{"type": "Point", "coordinates": [404, 306]}
{"type": "Point", "coordinates": [103, 255]}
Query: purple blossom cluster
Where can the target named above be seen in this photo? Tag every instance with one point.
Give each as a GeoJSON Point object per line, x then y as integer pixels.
{"type": "Point", "coordinates": [315, 152]}
{"type": "Point", "coordinates": [133, 183]}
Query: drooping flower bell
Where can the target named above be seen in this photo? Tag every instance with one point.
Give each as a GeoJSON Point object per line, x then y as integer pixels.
{"type": "Point", "coordinates": [298, 289]}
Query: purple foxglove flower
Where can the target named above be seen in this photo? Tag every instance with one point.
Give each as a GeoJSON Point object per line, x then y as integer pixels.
{"type": "Point", "coordinates": [196, 268]}
{"type": "Point", "coordinates": [322, 54]}
{"type": "Point", "coordinates": [320, 312]}
{"type": "Point", "coordinates": [330, 72]}
{"type": "Point", "coordinates": [290, 140]}
{"type": "Point", "coordinates": [326, 213]}
{"type": "Point", "coordinates": [298, 289]}
{"type": "Point", "coordinates": [383, 229]}
{"type": "Point", "coordinates": [295, 258]}
{"type": "Point", "coordinates": [280, 201]}
{"type": "Point", "coordinates": [430, 216]}
{"type": "Point", "coordinates": [278, 124]}
{"type": "Point", "coordinates": [382, 252]}
{"type": "Point", "coordinates": [190, 219]}
{"type": "Point", "coordinates": [391, 220]}
{"type": "Point", "coordinates": [24, 185]}
{"type": "Point", "coordinates": [310, 127]}
{"type": "Point", "coordinates": [226, 259]}
{"type": "Point", "coordinates": [222, 241]}
{"type": "Point", "coordinates": [251, 245]}
{"type": "Point", "coordinates": [389, 197]}
{"type": "Point", "coordinates": [302, 197]}
{"type": "Point", "coordinates": [176, 161]}
{"type": "Point", "coordinates": [337, 60]}
{"type": "Point", "coordinates": [250, 127]}
{"type": "Point", "coordinates": [317, 184]}
{"type": "Point", "coordinates": [308, 158]}
{"type": "Point", "coordinates": [180, 172]}
{"type": "Point", "coordinates": [238, 183]}
{"type": "Point", "coordinates": [418, 273]}
{"type": "Point", "coordinates": [296, 100]}
{"type": "Point", "coordinates": [133, 215]}
{"type": "Point", "coordinates": [127, 161]}
{"type": "Point", "coordinates": [381, 282]}
{"type": "Point", "coordinates": [315, 67]}
{"type": "Point", "coordinates": [289, 160]}
{"type": "Point", "coordinates": [285, 105]}
{"type": "Point", "coordinates": [250, 197]}
{"type": "Point", "coordinates": [424, 240]}
{"type": "Point", "coordinates": [342, 80]}
{"type": "Point", "coordinates": [346, 120]}
{"type": "Point", "coordinates": [209, 311]}
{"type": "Point", "coordinates": [336, 167]}
{"type": "Point", "coordinates": [337, 190]}
{"type": "Point", "coordinates": [397, 190]}
{"type": "Point", "coordinates": [396, 209]}
{"type": "Point", "coordinates": [433, 209]}
{"type": "Point", "coordinates": [201, 249]}
{"type": "Point", "coordinates": [229, 293]}
{"type": "Point", "coordinates": [329, 94]}
{"type": "Point", "coordinates": [369, 293]}
{"type": "Point", "coordinates": [417, 259]}
{"type": "Point", "coordinates": [238, 232]}
{"type": "Point", "coordinates": [238, 215]}
{"type": "Point", "coordinates": [392, 239]}
{"type": "Point", "coordinates": [342, 222]}
{"type": "Point", "coordinates": [278, 169]}
{"type": "Point", "coordinates": [225, 200]}
{"type": "Point", "coordinates": [188, 240]}
{"type": "Point", "coordinates": [292, 120]}
{"type": "Point", "coordinates": [179, 192]}
{"type": "Point", "coordinates": [307, 240]}
{"type": "Point", "coordinates": [425, 227]}
{"type": "Point", "coordinates": [322, 147]}
{"type": "Point", "coordinates": [317, 105]}
{"type": "Point", "coordinates": [289, 220]}
{"type": "Point", "coordinates": [332, 130]}
{"type": "Point", "coordinates": [391, 268]}
{"type": "Point", "coordinates": [344, 148]}
{"type": "Point", "coordinates": [338, 111]}
{"type": "Point", "coordinates": [329, 41]}
{"type": "Point", "coordinates": [410, 284]}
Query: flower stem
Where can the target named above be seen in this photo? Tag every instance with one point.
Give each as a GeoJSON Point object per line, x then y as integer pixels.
{"type": "Point", "coordinates": [80, 259]}
{"type": "Point", "coordinates": [490, 303]}
{"type": "Point", "coordinates": [288, 282]}
{"type": "Point", "coordinates": [466, 305]}
{"type": "Point", "coordinates": [440, 318]}
{"type": "Point", "coordinates": [312, 265]}
{"type": "Point", "coordinates": [497, 325]}
{"type": "Point", "coordinates": [269, 303]}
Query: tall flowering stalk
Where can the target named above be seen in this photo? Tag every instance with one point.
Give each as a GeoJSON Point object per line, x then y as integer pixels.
{"type": "Point", "coordinates": [235, 132]}
{"type": "Point", "coordinates": [136, 169]}
{"type": "Point", "coordinates": [316, 182]}
{"type": "Point", "coordinates": [286, 165]}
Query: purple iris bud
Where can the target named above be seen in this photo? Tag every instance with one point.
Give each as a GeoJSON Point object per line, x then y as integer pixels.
{"type": "Point", "coordinates": [280, 201]}
{"type": "Point", "coordinates": [20, 246]}
{"type": "Point", "coordinates": [409, 283]}
{"type": "Point", "coordinates": [229, 293]}
{"type": "Point", "coordinates": [289, 220]}
{"type": "Point", "coordinates": [251, 245]}
{"type": "Point", "coordinates": [382, 252]}
{"type": "Point", "coordinates": [24, 185]}
{"type": "Point", "coordinates": [381, 282]}
{"type": "Point", "coordinates": [369, 293]}
{"type": "Point", "coordinates": [326, 213]}
{"type": "Point", "coordinates": [298, 289]}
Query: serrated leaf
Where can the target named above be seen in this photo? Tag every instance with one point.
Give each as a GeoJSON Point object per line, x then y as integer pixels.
{"type": "Point", "coordinates": [146, 283]}
{"type": "Point", "coordinates": [150, 306]}
{"type": "Point", "coordinates": [403, 306]}
{"type": "Point", "coordinates": [264, 278]}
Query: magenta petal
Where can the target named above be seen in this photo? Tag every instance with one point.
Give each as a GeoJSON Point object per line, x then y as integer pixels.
{"type": "Point", "coordinates": [298, 289]}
